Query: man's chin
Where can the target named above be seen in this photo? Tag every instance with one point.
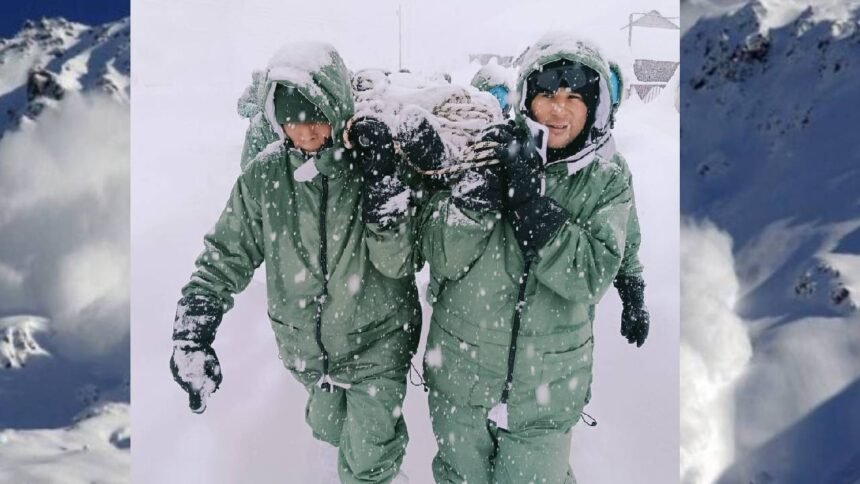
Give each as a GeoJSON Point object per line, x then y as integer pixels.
{"type": "Point", "coordinates": [310, 149]}
{"type": "Point", "coordinates": [557, 145]}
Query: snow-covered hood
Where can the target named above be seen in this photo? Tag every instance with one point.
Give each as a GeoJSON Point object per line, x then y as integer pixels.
{"type": "Point", "coordinates": [557, 46]}
{"type": "Point", "coordinates": [319, 73]}
{"type": "Point", "coordinates": [491, 75]}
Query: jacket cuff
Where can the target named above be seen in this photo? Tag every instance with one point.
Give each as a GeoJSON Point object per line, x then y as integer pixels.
{"type": "Point", "coordinates": [197, 319]}
{"type": "Point", "coordinates": [631, 290]}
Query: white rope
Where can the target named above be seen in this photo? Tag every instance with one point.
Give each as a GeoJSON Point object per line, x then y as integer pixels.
{"type": "Point", "coordinates": [459, 118]}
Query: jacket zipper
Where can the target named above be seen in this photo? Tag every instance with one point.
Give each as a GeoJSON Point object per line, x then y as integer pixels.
{"type": "Point", "coordinates": [321, 299]}
{"type": "Point", "coordinates": [515, 330]}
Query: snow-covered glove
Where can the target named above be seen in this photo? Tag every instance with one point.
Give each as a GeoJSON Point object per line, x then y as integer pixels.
{"type": "Point", "coordinates": [535, 218]}
{"type": "Point", "coordinates": [519, 158]}
{"type": "Point", "coordinates": [196, 369]}
{"type": "Point", "coordinates": [385, 196]}
{"type": "Point", "coordinates": [421, 144]}
{"type": "Point", "coordinates": [479, 190]}
{"type": "Point", "coordinates": [634, 318]}
{"type": "Point", "coordinates": [194, 364]}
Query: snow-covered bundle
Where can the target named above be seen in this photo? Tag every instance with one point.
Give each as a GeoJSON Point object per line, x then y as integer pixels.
{"type": "Point", "coordinates": [403, 100]}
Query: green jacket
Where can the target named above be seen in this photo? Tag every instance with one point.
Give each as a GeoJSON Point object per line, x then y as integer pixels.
{"type": "Point", "coordinates": [335, 284]}
{"type": "Point", "coordinates": [478, 271]}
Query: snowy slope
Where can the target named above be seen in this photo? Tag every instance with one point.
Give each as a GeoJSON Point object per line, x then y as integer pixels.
{"type": "Point", "coordinates": [52, 57]}
{"type": "Point", "coordinates": [64, 103]}
{"type": "Point", "coordinates": [95, 447]}
{"type": "Point", "coordinates": [770, 156]}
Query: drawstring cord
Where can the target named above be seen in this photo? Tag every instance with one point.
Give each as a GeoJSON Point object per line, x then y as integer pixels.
{"type": "Point", "coordinates": [420, 382]}
{"type": "Point", "coordinates": [591, 422]}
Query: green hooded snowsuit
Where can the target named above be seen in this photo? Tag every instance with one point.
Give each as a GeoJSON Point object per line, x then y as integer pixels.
{"type": "Point", "coordinates": [479, 279]}
{"type": "Point", "coordinates": [341, 293]}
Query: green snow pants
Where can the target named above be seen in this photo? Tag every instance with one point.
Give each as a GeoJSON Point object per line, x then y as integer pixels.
{"type": "Point", "coordinates": [473, 450]}
{"type": "Point", "coordinates": [365, 423]}
{"type": "Point", "coordinates": [466, 372]}
{"type": "Point", "coordinates": [363, 418]}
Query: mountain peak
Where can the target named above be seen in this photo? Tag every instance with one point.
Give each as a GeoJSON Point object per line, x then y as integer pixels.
{"type": "Point", "coordinates": [53, 56]}
{"type": "Point", "coordinates": [778, 94]}
{"type": "Point", "coordinates": [18, 341]}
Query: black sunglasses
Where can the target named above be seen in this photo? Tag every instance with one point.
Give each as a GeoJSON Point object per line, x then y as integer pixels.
{"type": "Point", "coordinates": [573, 77]}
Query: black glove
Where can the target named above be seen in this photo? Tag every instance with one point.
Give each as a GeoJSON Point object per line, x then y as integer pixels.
{"type": "Point", "coordinates": [634, 318]}
{"type": "Point", "coordinates": [480, 190]}
{"type": "Point", "coordinates": [373, 146]}
{"type": "Point", "coordinates": [519, 159]}
{"type": "Point", "coordinates": [372, 140]}
{"type": "Point", "coordinates": [421, 145]}
{"type": "Point", "coordinates": [534, 218]}
{"type": "Point", "coordinates": [194, 364]}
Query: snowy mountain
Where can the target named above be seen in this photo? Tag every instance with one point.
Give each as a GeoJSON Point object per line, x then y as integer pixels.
{"type": "Point", "coordinates": [19, 342]}
{"type": "Point", "coordinates": [51, 57]}
{"type": "Point", "coordinates": [92, 448]}
{"type": "Point", "coordinates": [767, 172]}
{"type": "Point", "coordinates": [770, 157]}
{"type": "Point", "coordinates": [64, 384]}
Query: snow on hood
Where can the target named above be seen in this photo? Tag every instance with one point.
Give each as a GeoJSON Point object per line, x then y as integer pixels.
{"type": "Point", "coordinates": [492, 75]}
{"type": "Point", "coordinates": [319, 73]}
{"type": "Point", "coordinates": [561, 45]}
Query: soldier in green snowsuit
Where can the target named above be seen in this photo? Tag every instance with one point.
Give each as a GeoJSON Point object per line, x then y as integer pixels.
{"type": "Point", "coordinates": [520, 253]}
{"type": "Point", "coordinates": [330, 225]}
{"type": "Point", "coordinates": [492, 79]}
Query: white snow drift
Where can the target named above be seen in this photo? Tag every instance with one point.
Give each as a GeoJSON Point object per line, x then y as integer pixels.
{"type": "Point", "coordinates": [94, 448]}
{"type": "Point", "coordinates": [714, 351]}
{"type": "Point", "coordinates": [64, 188]}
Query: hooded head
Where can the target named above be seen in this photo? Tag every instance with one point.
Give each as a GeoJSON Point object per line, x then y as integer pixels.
{"type": "Point", "coordinates": [494, 79]}
{"type": "Point", "coordinates": [293, 107]}
{"type": "Point", "coordinates": [562, 59]}
{"type": "Point", "coordinates": [308, 83]}
{"type": "Point", "coordinates": [563, 95]}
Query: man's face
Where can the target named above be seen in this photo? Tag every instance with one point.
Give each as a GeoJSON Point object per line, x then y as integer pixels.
{"type": "Point", "coordinates": [308, 137]}
{"type": "Point", "coordinates": [563, 112]}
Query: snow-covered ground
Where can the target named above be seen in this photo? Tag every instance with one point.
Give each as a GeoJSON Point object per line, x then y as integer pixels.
{"type": "Point", "coordinates": [64, 315]}
{"type": "Point", "coordinates": [192, 63]}
{"type": "Point", "coordinates": [769, 173]}
{"type": "Point", "coordinates": [92, 448]}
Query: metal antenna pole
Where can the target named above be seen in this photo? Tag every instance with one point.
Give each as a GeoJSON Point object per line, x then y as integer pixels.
{"type": "Point", "coordinates": [630, 32]}
{"type": "Point", "coordinates": [400, 37]}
